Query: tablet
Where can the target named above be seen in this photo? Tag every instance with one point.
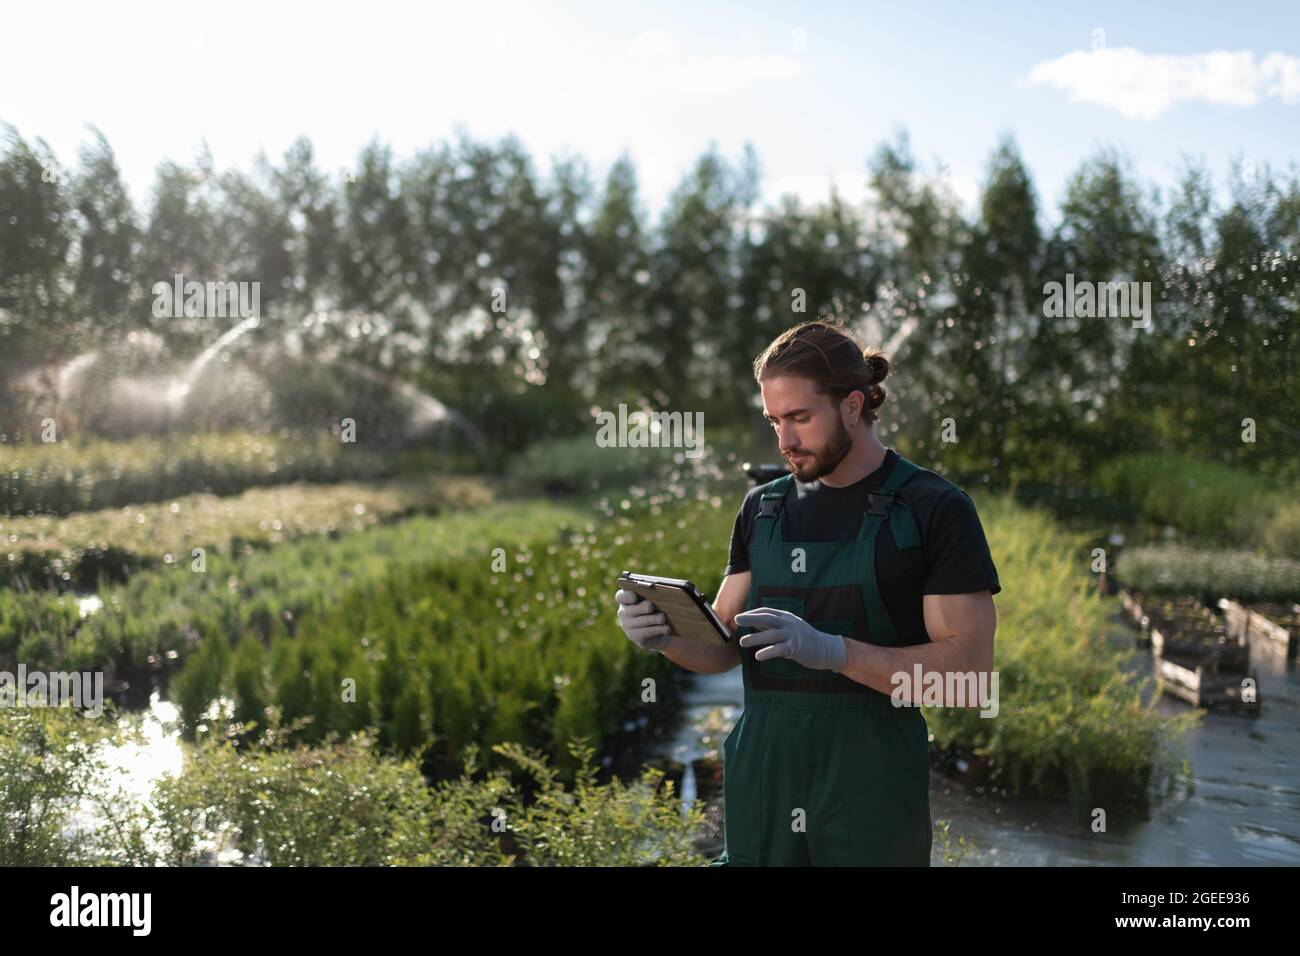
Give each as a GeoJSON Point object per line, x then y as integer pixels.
{"type": "Point", "coordinates": [689, 614]}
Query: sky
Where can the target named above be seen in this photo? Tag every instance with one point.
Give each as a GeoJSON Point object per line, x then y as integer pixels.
{"type": "Point", "coordinates": [815, 88]}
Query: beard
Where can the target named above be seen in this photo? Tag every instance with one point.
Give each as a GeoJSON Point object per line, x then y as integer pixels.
{"type": "Point", "coordinates": [826, 460]}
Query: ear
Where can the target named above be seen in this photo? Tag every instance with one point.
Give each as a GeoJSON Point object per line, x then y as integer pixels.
{"type": "Point", "coordinates": [852, 406]}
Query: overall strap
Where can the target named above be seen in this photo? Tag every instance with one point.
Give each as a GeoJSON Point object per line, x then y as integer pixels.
{"type": "Point", "coordinates": [883, 502]}
{"type": "Point", "coordinates": [771, 501]}
{"type": "Point", "coordinates": [883, 505]}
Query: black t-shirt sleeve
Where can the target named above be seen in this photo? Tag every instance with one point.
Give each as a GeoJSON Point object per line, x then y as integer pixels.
{"type": "Point", "coordinates": [958, 560]}
{"type": "Point", "coordinates": [738, 553]}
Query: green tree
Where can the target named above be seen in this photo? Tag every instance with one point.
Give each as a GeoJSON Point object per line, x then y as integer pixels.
{"type": "Point", "coordinates": [107, 288]}
{"type": "Point", "coordinates": [37, 323]}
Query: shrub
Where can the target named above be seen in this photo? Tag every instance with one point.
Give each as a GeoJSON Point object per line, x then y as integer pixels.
{"type": "Point", "coordinates": [49, 763]}
{"type": "Point", "coordinates": [1209, 575]}
{"type": "Point", "coordinates": [86, 475]}
{"type": "Point", "coordinates": [1071, 719]}
{"type": "Point", "coordinates": [342, 803]}
{"type": "Point", "coordinates": [1201, 498]}
{"type": "Point", "coordinates": [80, 549]}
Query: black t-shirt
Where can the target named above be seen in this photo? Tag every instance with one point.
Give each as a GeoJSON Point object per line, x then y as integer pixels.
{"type": "Point", "coordinates": [953, 558]}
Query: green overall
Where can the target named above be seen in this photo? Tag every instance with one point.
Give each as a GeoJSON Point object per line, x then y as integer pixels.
{"type": "Point", "coordinates": [821, 770]}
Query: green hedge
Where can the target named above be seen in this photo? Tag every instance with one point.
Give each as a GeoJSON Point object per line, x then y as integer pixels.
{"type": "Point", "coordinates": [1207, 500]}
{"type": "Point", "coordinates": [578, 464]}
{"type": "Point", "coordinates": [77, 549]}
{"type": "Point", "coordinates": [1209, 575]}
{"type": "Point", "coordinates": [74, 475]}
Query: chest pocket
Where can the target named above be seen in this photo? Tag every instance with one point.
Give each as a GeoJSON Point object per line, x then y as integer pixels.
{"type": "Point", "coordinates": [783, 668]}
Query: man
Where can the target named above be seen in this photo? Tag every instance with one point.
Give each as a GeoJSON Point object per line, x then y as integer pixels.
{"type": "Point", "coordinates": [857, 566]}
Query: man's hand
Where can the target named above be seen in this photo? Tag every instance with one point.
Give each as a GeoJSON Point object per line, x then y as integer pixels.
{"type": "Point", "coordinates": [790, 636]}
{"type": "Point", "coordinates": [644, 624]}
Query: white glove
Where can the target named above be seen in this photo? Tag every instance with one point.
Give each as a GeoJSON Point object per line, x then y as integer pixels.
{"type": "Point", "coordinates": [644, 624]}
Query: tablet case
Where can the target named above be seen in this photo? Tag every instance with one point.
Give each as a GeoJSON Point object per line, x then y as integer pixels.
{"type": "Point", "coordinates": [687, 618]}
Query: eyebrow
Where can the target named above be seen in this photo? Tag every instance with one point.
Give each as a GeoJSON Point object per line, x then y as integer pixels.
{"type": "Point", "coordinates": [789, 414]}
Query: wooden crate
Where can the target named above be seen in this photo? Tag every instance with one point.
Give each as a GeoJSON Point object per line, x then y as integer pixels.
{"type": "Point", "coordinates": [1253, 625]}
{"type": "Point", "coordinates": [1197, 682]}
{"type": "Point", "coordinates": [1202, 663]}
{"type": "Point", "coordinates": [1222, 658]}
{"type": "Point", "coordinates": [1131, 601]}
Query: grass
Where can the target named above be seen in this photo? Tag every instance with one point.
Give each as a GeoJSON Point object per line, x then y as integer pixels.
{"type": "Point", "coordinates": [577, 463]}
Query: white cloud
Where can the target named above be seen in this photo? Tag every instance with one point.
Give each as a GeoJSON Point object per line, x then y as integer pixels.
{"type": "Point", "coordinates": [1142, 86]}
{"type": "Point", "coordinates": [656, 61]}
{"type": "Point", "coordinates": [654, 43]}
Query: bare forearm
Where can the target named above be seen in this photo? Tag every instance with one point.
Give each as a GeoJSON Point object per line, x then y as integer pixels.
{"type": "Point", "coordinates": [876, 666]}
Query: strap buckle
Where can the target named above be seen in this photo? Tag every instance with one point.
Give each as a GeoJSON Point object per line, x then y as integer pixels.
{"type": "Point", "coordinates": [769, 506]}
{"type": "Point", "coordinates": [879, 503]}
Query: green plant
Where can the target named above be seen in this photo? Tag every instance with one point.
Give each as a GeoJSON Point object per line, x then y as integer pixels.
{"type": "Point", "coordinates": [50, 762]}
{"type": "Point", "coordinates": [1277, 527]}
{"type": "Point", "coordinates": [1071, 719]}
{"type": "Point", "coordinates": [616, 824]}
{"type": "Point", "coordinates": [1200, 498]}
{"type": "Point", "coordinates": [458, 646]}
{"type": "Point", "coordinates": [113, 543]}
{"type": "Point", "coordinates": [89, 474]}
{"type": "Point", "coordinates": [266, 801]}
{"type": "Point", "coordinates": [950, 855]}
{"type": "Point", "coordinates": [1209, 574]}
{"type": "Point", "coordinates": [576, 463]}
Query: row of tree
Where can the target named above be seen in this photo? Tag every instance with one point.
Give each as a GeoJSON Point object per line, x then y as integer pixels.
{"type": "Point", "coordinates": [523, 298]}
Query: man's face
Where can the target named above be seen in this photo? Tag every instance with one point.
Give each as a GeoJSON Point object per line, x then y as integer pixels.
{"type": "Point", "coordinates": [806, 424]}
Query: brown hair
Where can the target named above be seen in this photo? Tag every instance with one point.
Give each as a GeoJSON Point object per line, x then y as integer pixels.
{"type": "Point", "coordinates": [832, 358]}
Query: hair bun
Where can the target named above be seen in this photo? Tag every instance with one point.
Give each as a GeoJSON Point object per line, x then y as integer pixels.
{"type": "Point", "coordinates": [877, 363]}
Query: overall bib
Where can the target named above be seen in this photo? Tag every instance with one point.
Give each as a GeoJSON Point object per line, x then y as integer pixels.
{"type": "Point", "coordinates": [821, 770]}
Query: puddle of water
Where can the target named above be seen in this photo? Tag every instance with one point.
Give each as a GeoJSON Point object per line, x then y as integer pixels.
{"type": "Point", "coordinates": [136, 765]}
